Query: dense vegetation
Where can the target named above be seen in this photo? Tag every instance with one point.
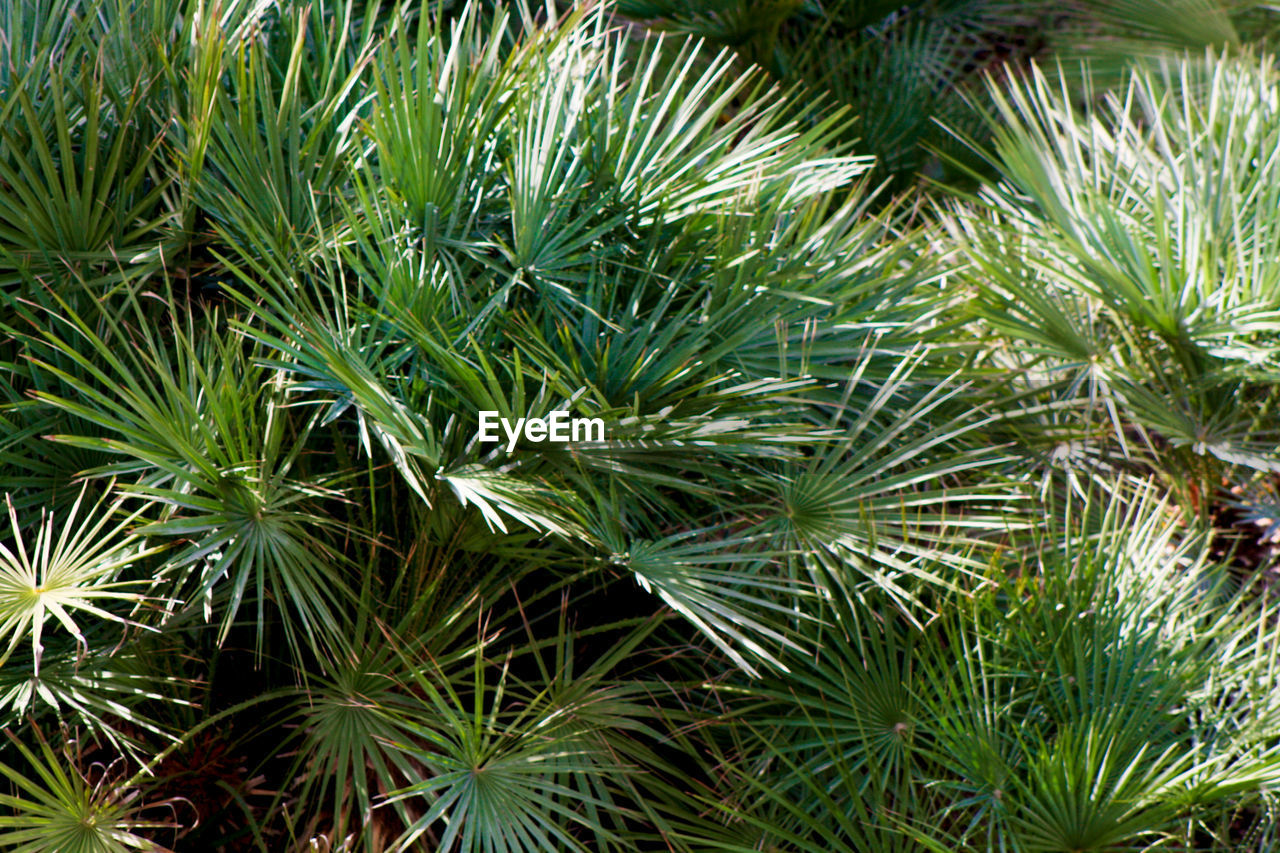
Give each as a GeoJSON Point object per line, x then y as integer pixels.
{"type": "Point", "coordinates": [938, 500]}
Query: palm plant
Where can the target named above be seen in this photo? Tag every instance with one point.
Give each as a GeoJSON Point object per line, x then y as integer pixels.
{"type": "Point", "coordinates": [1108, 695]}
{"type": "Point", "coordinates": [74, 191]}
{"type": "Point", "coordinates": [906, 70]}
{"type": "Point", "coordinates": [404, 231]}
{"type": "Point", "coordinates": [57, 808]}
{"type": "Point", "coordinates": [502, 304]}
{"type": "Point", "coordinates": [1127, 256]}
{"type": "Point", "coordinates": [261, 276]}
{"type": "Point", "coordinates": [911, 73]}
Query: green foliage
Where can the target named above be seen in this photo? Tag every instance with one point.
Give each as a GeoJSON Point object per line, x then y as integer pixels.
{"type": "Point", "coordinates": [1079, 703]}
{"type": "Point", "coordinates": [79, 184]}
{"type": "Point", "coordinates": [859, 563]}
{"type": "Point", "coordinates": [907, 71]}
{"type": "Point", "coordinates": [57, 809]}
{"type": "Point", "coordinates": [1129, 258]}
{"type": "Point", "coordinates": [911, 73]}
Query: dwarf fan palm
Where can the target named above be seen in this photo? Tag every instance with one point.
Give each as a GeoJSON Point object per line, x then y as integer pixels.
{"type": "Point", "coordinates": [427, 641]}
{"type": "Point", "coordinates": [1108, 696]}
{"type": "Point", "coordinates": [1128, 256]}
